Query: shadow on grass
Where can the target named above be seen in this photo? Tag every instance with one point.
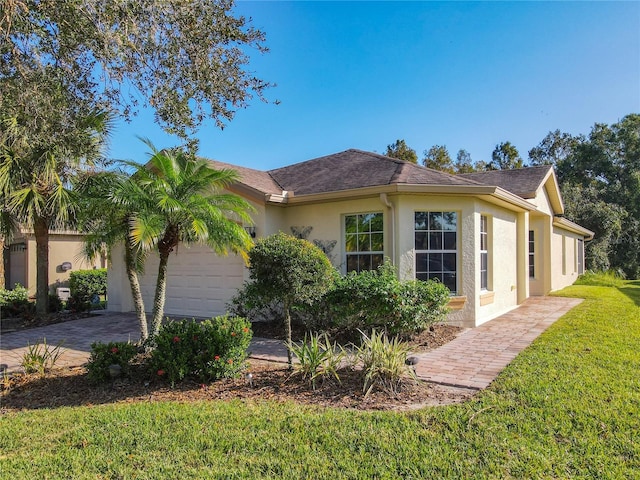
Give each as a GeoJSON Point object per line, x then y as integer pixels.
{"type": "Point", "coordinates": [632, 290]}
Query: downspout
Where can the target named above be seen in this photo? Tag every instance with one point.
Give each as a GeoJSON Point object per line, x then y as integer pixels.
{"type": "Point", "coordinates": [391, 206]}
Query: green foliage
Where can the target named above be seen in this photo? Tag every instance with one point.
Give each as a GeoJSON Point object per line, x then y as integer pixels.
{"type": "Point", "coordinates": [377, 299]}
{"type": "Point", "coordinates": [567, 407]}
{"type": "Point", "coordinates": [505, 157]}
{"type": "Point", "coordinates": [173, 56]}
{"type": "Point", "coordinates": [105, 354]}
{"type": "Point", "coordinates": [41, 357]}
{"type": "Point", "coordinates": [84, 284]}
{"type": "Point", "coordinates": [609, 278]}
{"type": "Point", "coordinates": [317, 358]}
{"type": "Point", "coordinates": [438, 158]}
{"type": "Point", "coordinates": [401, 151]}
{"type": "Point", "coordinates": [383, 362]}
{"type": "Point", "coordinates": [16, 301]}
{"type": "Point", "coordinates": [55, 304]}
{"type": "Point", "coordinates": [289, 271]}
{"type": "Point", "coordinates": [209, 350]}
{"type": "Point", "coordinates": [599, 175]}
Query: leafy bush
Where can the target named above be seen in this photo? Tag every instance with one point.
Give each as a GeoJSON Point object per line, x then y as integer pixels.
{"type": "Point", "coordinates": [105, 354]}
{"type": "Point", "coordinates": [84, 284]}
{"type": "Point", "coordinates": [383, 362]}
{"type": "Point", "coordinates": [209, 350]}
{"type": "Point", "coordinates": [288, 271]}
{"type": "Point", "coordinates": [41, 357]}
{"type": "Point", "coordinates": [317, 357]}
{"type": "Point", "coordinates": [55, 304]}
{"type": "Point", "coordinates": [377, 299]}
{"type": "Point", "coordinates": [16, 302]}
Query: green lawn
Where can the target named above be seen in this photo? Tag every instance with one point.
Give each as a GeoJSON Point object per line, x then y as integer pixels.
{"type": "Point", "coordinates": [567, 407]}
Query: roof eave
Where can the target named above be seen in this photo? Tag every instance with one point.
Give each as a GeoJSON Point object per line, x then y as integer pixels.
{"type": "Point", "coordinates": [565, 224]}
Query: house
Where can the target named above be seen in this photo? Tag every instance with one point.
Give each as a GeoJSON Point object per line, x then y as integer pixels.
{"type": "Point", "coordinates": [493, 238]}
{"type": "Point", "coordinates": [65, 256]}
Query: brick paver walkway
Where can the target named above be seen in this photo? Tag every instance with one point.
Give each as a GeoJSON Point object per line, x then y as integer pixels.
{"type": "Point", "coordinates": [472, 360]}
{"type": "Point", "coordinates": [477, 356]}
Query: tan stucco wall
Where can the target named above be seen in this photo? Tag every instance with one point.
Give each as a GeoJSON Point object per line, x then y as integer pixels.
{"type": "Point", "coordinates": [62, 248]}
{"type": "Point", "coordinates": [564, 261]}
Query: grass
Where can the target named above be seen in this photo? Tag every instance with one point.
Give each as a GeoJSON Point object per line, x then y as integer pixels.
{"type": "Point", "coordinates": [567, 407]}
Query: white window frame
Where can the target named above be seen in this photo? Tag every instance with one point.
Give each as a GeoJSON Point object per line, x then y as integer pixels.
{"type": "Point", "coordinates": [376, 256]}
{"type": "Point", "coordinates": [484, 253]}
{"type": "Point", "coordinates": [428, 234]}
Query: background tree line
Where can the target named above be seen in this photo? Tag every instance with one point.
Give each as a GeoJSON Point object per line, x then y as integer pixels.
{"type": "Point", "coordinates": [599, 176]}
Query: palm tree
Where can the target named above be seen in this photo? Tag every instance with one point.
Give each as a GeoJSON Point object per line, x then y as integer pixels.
{"type": "Point", "coordinates": [110, 200]}
{"type": "Point", "coordinates": [35, 181]}
{"type": "Point", "coordinates": [184, 203]}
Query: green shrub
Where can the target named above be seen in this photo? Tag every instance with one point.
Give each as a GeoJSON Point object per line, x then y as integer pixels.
{"type": "Point", "coordinates": [209, 350]}
{"type": "Point", "coordinates": [383, 362]}
{"type": "Point", "coordinates": [41, 357]}
{"type": "Point", "coordinates": [288, 271]}
{"type": "Point", "coordinates": [377, 299]}
{"type": "Point", "coordinates": [105, 354]}
{"type": "Point", "coordinates": [55, 304]}
{"type": "Point", "coordinates": [16, 302]}
{"type": "Point", "coordinates": [317, 358]}
{"type": "Point", "coordinates": [84, 284]}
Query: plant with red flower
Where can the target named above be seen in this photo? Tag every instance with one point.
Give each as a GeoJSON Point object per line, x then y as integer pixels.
{"type": "Point", "coordinates": [233, 334]}
{"type": "Point", "coordinates": [176, 339]}
{"type": "Point", "coordinates": [114, 350]}
{"type": "Point", "coordinates": [160, 372]}
{"type": "Point", "coordinates": [217, 357]}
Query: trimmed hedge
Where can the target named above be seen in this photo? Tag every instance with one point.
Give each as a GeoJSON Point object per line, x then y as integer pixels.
{"type": "Point", "coordinates": [84, 284]}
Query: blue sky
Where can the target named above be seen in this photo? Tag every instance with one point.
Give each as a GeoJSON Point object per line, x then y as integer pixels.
{"type": "Point", "coordinates": [462, 74]}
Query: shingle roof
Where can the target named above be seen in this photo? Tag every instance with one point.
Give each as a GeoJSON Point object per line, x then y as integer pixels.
{"type": "Point", "coordinates": [256, 179]}
{"type": "Point", "coordinates": [353, 169]}
{"type": "Point", "coordinates": [522, 181]}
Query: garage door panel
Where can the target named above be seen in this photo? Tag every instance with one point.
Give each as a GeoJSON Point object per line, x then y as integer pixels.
{"type": "Point", "coordinates": [199, 283]}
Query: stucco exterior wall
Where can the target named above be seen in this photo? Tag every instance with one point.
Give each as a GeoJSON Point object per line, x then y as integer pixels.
{"type": "Point", "coordinates": [62, 248]}
{"type": "Point", "coordinates": [326, 222]}
{"type": "Point", "coordinates": [564, 268]}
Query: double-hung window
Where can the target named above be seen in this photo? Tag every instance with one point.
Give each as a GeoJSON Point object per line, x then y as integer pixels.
{"type": "Point", "coordinates": [364, 241]}
{"type": "Point", "coordinates": [532, 254]}
{"type": "Point", "coordinates": [484, 253]}
{"type": "Point", "coordinates": [436, 247]}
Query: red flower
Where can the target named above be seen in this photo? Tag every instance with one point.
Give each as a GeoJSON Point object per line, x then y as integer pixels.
{"type": "Point", "coordinates": [160, 372]}
{"type": "Point", "coordinates": [176, 339]}
{"type": "Point", "coordinates": [217, 357]}
{"type": "Point", "coordinates": [233, 334]}
{"type": "Point", "coordinates": [245, 330]}
{"type": "Point", "coordinates": [114, 350]}
{"type": "Point", "coordinates": [230, 361]}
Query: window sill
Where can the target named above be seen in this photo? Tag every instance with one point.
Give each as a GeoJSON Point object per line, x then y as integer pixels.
{"type": "Point", "coordinates": [486, 298]}
{"type": "Point", "coordinates": [457, 303]}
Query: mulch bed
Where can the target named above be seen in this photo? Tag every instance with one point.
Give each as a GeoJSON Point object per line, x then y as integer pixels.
{"type": "Point", "coordinates": [270, 381]}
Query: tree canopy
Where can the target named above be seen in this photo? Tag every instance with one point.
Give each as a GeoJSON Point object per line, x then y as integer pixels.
{"type": "Point", "coordinates": [186, 59]}
{"type": "Point", "coordinates": [505, 157]}
{"type": "Point", "coordinates": [402, 151]}
{"type": "Point", "coordinates": [599, 176]}
{"type": "Point", "coordinates": [438, 158]}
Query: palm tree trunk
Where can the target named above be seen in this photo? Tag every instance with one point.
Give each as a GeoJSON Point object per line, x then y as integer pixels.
{"type": "Point", "coordinates": [2, 270]}
{"type": "Point", "coordinates": [161, 290]}
{"type": "Point", "coordinates": [41, 231]}
{"type": "Point", "coordinates": [134, 283]}
{"type": "Point", "coordinates": [287, 328]}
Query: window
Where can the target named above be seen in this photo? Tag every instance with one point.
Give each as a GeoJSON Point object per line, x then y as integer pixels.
{"type": "Point", "coordinates": [532, 254]}
{"type": "Point", "coordinates": [580, 256]}
{"type": "Point", "coordinates": [484, 253]}
{"type": "Point", "coordinates": [436, 247]}
{"type": "Point", "coordinates": [364, 241]}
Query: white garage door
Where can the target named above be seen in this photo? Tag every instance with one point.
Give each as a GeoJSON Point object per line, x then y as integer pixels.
{"type": "Point", "coordinates": [199, 283]}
